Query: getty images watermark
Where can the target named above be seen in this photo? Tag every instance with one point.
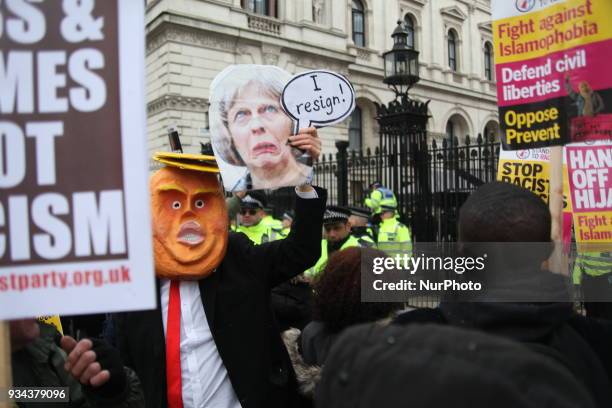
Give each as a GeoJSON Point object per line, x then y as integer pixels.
{"type": "Point", "coordinates": [440, 265]}
{"type": "Point", "coordinates": [429, 273]}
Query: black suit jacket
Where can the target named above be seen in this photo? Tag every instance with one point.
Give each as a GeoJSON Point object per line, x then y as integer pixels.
{"type": "Point", "coordinates": [236, 300]}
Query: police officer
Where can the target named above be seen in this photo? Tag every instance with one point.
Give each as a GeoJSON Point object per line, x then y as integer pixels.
{"type": "Point", "coordinates": [392, 236]}
{"type": "Point", "coordinates": [337, 236]}
{"type": "Point", "coordinates": [360, 226]}
{"type": "Point", "coordinates": [377, 194]}
{"type": "Point", "coordinates": [593, 270]}
{"type": "Point", "coordinates": [250, 218]}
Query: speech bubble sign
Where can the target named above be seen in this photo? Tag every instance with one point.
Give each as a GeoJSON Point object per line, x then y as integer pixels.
{"type": "Point", "coordinates": [318, 98]}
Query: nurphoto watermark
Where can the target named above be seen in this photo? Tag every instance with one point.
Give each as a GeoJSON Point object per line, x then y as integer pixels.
{"type": "Point", "coordinates": [474, 272]}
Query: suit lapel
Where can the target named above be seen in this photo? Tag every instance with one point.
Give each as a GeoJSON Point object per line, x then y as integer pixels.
{"type": "Point", "coordinates": [159, 347]}
{"type": "Point", "coordinates": [208, 293]}
{"type": "Point", "coordinates": [157, 354]}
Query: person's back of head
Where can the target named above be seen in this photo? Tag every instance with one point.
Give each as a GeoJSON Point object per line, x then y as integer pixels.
{"type": "Point", "coordinates": [424, 366]}
{"type": "Point", "coordinates": [503, 220]}
{"type": "Point", "coordinates": [337, 301]}
{"type": "Point", "coordinates": [503, 212]}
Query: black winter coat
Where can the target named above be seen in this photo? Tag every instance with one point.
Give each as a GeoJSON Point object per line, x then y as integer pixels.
{"type": "Point", "coordinates": [236, 300]}
{"type": "Point", "coordinates": [292, 304]}
{"type": "Point", "coordinates": [576, 341]}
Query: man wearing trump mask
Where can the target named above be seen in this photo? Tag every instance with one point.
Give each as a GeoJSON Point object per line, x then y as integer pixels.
{"type": "Point", "coordinates": [213, 341]}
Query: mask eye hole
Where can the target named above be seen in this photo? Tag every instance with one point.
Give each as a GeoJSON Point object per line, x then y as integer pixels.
{"type": "Point", "coordinates": [176, 205]}
{"type": "Point", "coordinates": [199, 203]}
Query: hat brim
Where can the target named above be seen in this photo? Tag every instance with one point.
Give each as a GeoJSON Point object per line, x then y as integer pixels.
{"type": "Point", "coordinates": [252, 206]}
{"type": "Point", "coordinates": [334, 220]}
{"type": "Point", "coordinates": [196, 162]}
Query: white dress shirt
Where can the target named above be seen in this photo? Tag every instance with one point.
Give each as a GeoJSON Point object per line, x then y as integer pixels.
{"type": "Point", "coordinates": [204, 379]}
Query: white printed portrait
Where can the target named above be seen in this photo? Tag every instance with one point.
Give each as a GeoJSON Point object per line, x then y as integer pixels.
{"type": "Point", "coordinates": [250, 131]}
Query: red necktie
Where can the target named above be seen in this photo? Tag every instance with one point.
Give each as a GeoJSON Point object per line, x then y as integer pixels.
{"type": "Point", "coordinates": [173, 347]}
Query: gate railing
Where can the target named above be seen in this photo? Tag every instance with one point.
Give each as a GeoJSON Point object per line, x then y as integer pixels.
{"type": "Point", "coordinates": [452, 170]}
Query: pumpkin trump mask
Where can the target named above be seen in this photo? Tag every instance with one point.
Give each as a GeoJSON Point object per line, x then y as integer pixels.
{"type": "Point", "coordinates": [189, 223]}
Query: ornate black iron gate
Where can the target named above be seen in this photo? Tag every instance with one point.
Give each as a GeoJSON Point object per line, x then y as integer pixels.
{"type": "Point", "coordinates": [431, 180]}
{"type": "Point", "coordinates": [403, 137]}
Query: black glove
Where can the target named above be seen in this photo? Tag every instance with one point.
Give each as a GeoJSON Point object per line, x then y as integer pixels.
{"type": "Point", "coordinates": [110, 360]}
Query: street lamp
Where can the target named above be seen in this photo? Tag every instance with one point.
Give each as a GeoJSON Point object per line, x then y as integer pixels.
{"type": "Point", "coordinates": [403, 136]}
{"type": "Point", "coordinates": [401, 63]}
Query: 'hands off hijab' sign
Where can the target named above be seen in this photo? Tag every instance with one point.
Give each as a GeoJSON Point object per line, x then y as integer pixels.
{"type": "Point", "coordinates": [253, 111]}
{"type": "Point", "coordinates": [318, 98]}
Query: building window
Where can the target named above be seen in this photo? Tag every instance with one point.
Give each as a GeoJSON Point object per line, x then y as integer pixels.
{"type": "Point", "coordinates": [358, 24]}
{"type": "Point", "coordinates": [355, 129]}
{"type": "Point", "coordinates": [263, 7]}
{"type": "Point", "coordinates": [488, 60]}
{"type": "Point", "coordinates": [452, 50]}
{"type": "Point", "coordinates": [409, 24]}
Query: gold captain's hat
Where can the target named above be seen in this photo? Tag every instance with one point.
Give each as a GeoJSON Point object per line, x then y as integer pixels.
{"type": "Point", "coordinates": [185, 161]}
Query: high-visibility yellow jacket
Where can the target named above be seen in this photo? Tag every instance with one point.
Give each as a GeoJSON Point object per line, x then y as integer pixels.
{"type": "Point", "coordinates": [366, 241]}
{"type": "Point", "coordinates": [592, 264]}
{"type": "Point", "coordinates": [320, 265]}
{"type": "Point", "coordinates": [394, 237]}
{"type": "Point", "coordinates": [258, 233]}
{"type": "Point", "coordinates": [272, 222]}
{"type": "Point", "coordinates": [275, 226]}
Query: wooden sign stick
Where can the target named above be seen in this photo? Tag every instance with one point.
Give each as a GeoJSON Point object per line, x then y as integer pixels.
{"type": "Point", "coordinates": [557, 262]}
{"type": "Point", "coordinates": [5, 360]}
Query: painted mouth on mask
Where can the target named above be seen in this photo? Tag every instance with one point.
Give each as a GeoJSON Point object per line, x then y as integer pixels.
{"type": "Point", "coordinates": [264, 148]}
{"type": "Point", "coordinates": [190, 233]}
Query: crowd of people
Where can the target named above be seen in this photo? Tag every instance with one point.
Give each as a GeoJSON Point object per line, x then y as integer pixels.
{"type": "Point", "coordinates": [280, 322]}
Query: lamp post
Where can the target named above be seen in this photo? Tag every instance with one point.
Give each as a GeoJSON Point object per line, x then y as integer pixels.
{"type": "Point", "coordinates": [401, 63]}
{"type": "Point", "coordinates": [403, 137]}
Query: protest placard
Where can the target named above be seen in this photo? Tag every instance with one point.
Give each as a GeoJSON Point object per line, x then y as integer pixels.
{"type": "Point", "coordinates": [318, 98]}
{"type": "Point", "coordinates": [75, 233]}
{"type": "Point", "coordinates": [551, 64]}
{"type": "Point", "coordinates": [590, 183]}
{"type": "Point", "coordinates": [53, 320]}
{"type": "Point", "coordinates": [526, 168]}
{"type": "Point", "coordinates": [253, 111]}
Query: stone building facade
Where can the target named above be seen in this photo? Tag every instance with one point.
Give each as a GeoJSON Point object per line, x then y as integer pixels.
{"type": "Point", "coordinates": [190, 41]}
